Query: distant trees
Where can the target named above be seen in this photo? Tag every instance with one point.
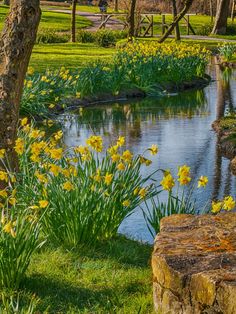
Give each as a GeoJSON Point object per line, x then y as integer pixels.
{"type": "Point", "coordinates": [16, 44]}
{"type": "Point", "coordinates": [222, 14]}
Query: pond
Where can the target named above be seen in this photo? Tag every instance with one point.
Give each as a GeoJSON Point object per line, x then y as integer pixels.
{"type": "Point", "coordinates": [179, 124]}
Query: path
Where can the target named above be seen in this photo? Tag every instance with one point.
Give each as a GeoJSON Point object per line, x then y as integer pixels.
{"type": "Point", "coordinates": [95, 18]}
{"type": "Point", "coordinates": [114, 24]}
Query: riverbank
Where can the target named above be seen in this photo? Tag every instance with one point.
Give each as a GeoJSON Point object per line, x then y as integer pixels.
{"type": "Point", "coordinates": [226, 131]}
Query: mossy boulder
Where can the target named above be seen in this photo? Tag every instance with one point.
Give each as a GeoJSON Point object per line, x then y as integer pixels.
{"type": "Point", "coordinates": [194, 265]}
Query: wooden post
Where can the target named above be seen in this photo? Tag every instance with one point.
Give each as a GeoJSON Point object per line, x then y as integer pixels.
{"type": "Point", "coordinates": [163, 20]}
{"type": "Point", "coordinates": [188, 25]}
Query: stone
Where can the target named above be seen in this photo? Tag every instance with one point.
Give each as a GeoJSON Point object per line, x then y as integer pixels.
{"type": "Point", "coordinates": [194, 265]}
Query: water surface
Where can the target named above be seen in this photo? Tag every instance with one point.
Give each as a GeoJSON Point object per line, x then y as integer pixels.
{"type": "Point", "coordinates": [179, 124]}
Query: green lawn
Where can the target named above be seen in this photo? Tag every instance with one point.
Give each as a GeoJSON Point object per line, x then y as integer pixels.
{"type": "Point", "coordinates": [114, 277]}
{"type": "Point", "coordinates": [58, 22]}
{"type": "Point", "coordinates": [54, 56]}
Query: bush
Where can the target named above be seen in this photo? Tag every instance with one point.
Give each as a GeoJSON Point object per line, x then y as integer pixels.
{"type": "Point", "coordinates": [51, 37]}
{"type": "Point", "coordinates": [204, 30]}
{"type": "Point", "coordinates": [106, 38]}
{"type": "Point", "coordinates": [85, 36]}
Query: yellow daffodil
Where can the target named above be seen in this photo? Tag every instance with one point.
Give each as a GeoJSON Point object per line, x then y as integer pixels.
{"type": "Point", "coordinates": [229, 203]}
{"type": "Point", "coordinates": [108, 178]}
{"type": "Point", "coordinates": [68, 186]}
{"type": "Point", "coordinates": [121, 166]}
{"type": "Point", "coordinates": [115, 157]}
{"type": "Point", "coordinates": [168, 182]}
{"type": "Point", "coordinates": [24, 121]}
{"type": "Point", "coordinates": [126, 203]}
{"type": "Point", "coordinates": [216, 206]}
{"type": "Point", "coordinates": [153, 149]}
{"type": "Point", "coordinates": [127, 156]}
{"type": "Point", "coordinates": [2, 153]}
{"type": "Point", "coordinates": [19, 146]}
{"type": "Point", "coordinates": [202, 182]}
{"type": "Point", "coordinates": [120, 141]}
{"type": "Point", "coordinates": [3, 193]}
{"type": "Point", "coordinates": [184, 171]}
{"type": "Point", "coordinates": [95, 142]}
{"type": "Point", "coordinates": [184, 180]}
{"type": "Point", "coordinates": [56, 153]}
{"type": "Point", "coordinates": [113, 150]}
{"type": "Point", "coordinates": [43, 203]}
{"type": "Point", "coordinates": [142, 192]}
{"type": "Point", "coordinates": [3, 176]}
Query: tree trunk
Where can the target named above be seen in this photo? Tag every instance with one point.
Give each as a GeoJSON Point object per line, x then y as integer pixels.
{"type": "Point", "coordinates": [131, 19]}
{"type": "Point", "coordinates": [187, 5]}
{"type": "Point", "coordinates": [73, 21]}
{"type": "Point", "coordinates": [211, 10]}
{"type": "Point", "coordinates": [116, 6]}
{"type": "Point", "coordinates": [6, 2]}
{"type": "Point", "coordinates": [175, 13]}
{"type": "Point", "coordinates": [16, 44]}
{"type": "Point", "coordinates": [221, 17]}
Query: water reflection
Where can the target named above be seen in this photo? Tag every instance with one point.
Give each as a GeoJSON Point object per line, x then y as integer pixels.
{"type": "Point", "coordinates": [179, 124]}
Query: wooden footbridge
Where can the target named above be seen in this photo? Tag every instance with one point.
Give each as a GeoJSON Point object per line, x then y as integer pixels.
{"type": "Point", "coordinates": [145, 22]}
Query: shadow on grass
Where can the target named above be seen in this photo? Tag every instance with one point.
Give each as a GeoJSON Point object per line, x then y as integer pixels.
{"type": "Point", "coordinates": [57, 296]}
{"type": "Point", "coordinates": [125, 251]}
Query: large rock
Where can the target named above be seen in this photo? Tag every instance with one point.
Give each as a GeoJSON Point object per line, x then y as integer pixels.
{"type": "Point", "coordinates": [194, 265]}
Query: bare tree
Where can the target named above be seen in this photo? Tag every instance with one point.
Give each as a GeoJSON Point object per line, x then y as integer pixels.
{"type": "Point", "coordinates": [73, 21]}
{"type": "Point", "coordinates": [222, 13]}
{"type": "Point", "coordinates": [131, 19]}
{"type": "Point", "coordinates": [16, 44]}
{"type": "Point", "coordinates": [175, 13]}
{"type": "Point", "coordinates": [186, 7]}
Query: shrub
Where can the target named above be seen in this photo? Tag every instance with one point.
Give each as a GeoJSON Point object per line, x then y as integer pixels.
{"type": "Point", "coordinates": [83, 36]}
{"type": "Point", "coordinates": [105, 38]}
{"type": "Point", "coordinates": [204, 30]}
{"type": "Point", "coordinates": [50, 37]}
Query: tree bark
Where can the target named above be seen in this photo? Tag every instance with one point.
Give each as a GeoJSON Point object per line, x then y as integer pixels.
{"type": "Point", "coordinates": [187, 5]}
{"type": "Point", "coordinates": [73, 21]}
{"type": "Point", "coordinates": [175, 13]}
{"type": "Point", "coordinates": [221, 17]}
{"type": "Point", "coordinates": [16, 44]}
{"type": "Point", "coordinates": [131, 20]}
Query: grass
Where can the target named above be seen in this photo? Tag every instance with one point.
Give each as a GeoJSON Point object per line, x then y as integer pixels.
{"type": "Point", "coordinates": [69, 55]}
{"type": "Point", "coordinates": [58, 22]}
{"type": "Point", "coordinates": [114, 277]}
